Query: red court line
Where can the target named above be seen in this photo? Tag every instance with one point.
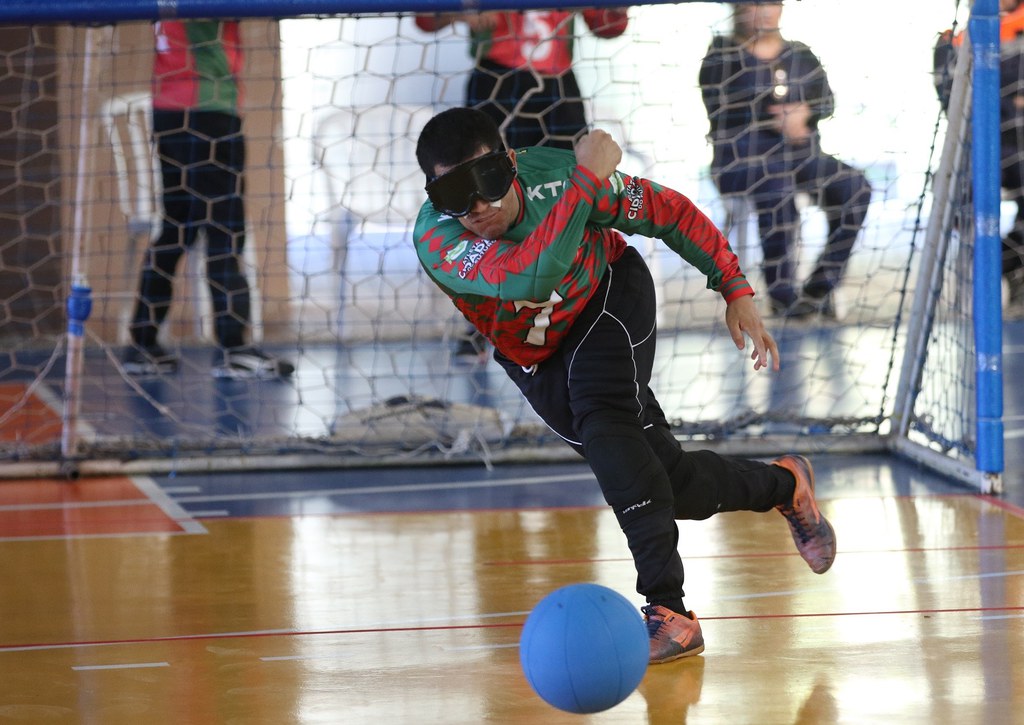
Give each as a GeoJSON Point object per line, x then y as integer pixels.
{"type": "Point", "coordinates": [32, 422]}
{"type": "Point", "coordinates": [1005, 505]}
{"type": "Point", "coordinates": [761, 554]}
{"type": "Point", "coordinates": [455, 627]}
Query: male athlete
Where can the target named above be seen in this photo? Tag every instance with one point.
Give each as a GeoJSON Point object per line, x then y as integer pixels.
{"type": "Point", "coordinates": [527, 245]}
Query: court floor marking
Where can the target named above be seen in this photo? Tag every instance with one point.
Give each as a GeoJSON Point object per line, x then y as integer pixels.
{"type": "Point", "coordinates": [468, 485]}
{"type": "Point", "coordinates": [290, 658]}
{"type": "Point", "coordinates": [55, 402]}
{"type": "Point", "coordinates": [395, 488]}
{"type": "Point", "coordinates": [1013, 508]}
{"type": "Point", "coordinates": [54, 509]}
{"type": "Point", "coordinates": [168, 505]}
{"type": "Point", "coordinates": [755, 555]}
{"type": "Point", "coordinates": [112, 535]}
{"type": "Point", "coordinates": [69, 505]}
{"type": "Point", "coordinates": [124, 666]}
{"type": "Point", "coordinates": [1004, 611]}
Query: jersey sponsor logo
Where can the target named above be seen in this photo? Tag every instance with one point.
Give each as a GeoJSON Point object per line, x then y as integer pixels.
{"type": "Point", "coordinates": [635, 194]}
{"type": "Point", "coordinates": [455, 252]}
{"type": "Point", "coordinates": [550, 190]}
{"type": "Point", "coordinates": [474, 255]}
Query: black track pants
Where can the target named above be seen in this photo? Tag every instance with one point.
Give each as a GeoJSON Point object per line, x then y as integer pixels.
{"type": "Point", "coordinates": [594, 392]}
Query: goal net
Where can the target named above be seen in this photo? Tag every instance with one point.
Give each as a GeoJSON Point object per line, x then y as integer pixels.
{"type": "Point", "coordinates": [332, 108]}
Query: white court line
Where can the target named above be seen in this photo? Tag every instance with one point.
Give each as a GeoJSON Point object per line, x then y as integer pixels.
{"type": "Point", "coordinates": [76, 504]}
{"type": "Point", "coordinates": [168, 505]}
{"type": "Point", "coordinates": [1000, 616]}
{"type": "Point", "coordinates": [132, 666]}
{"type": "Point", "coordinates": [397, 488]}
{"type": "Point", "coordinates": [56, 404]}
{"type": "Point", "coordinates": [178, 490]}
{"type": "Point", "coordinates": [363, 626]}
{"type": "Point", "coordinates": [219, 513]}
{"type": "Point", "coordinates": [122, 535]}
{"type": "Point", "coordinates": [827, 588]}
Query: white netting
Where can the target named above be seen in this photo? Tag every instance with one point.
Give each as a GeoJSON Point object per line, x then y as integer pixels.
{"type": "Point", "coordinates": [333, 109]}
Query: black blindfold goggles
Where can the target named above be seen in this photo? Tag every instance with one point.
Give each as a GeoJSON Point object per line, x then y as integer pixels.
{"type": "Point", "coordinates": [486, 177]}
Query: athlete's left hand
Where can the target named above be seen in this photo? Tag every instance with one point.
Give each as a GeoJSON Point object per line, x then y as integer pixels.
{"type": "Point", "coordinates": [741, 316]}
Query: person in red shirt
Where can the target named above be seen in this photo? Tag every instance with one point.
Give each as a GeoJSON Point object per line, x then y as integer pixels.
{"type": "Point", "coordinates": [528, 244]}
{"type": "Point", "coordinates": [523, 78]}
{"type": "Point", "coordinates": [197, 93]}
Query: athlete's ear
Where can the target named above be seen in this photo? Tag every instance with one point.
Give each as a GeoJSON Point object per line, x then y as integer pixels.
{"type": "Point", "coordinates": [512, 156]}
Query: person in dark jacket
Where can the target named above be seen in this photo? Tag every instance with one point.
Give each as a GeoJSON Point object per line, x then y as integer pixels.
{"type": "Point", "coordinates": [764, 97]}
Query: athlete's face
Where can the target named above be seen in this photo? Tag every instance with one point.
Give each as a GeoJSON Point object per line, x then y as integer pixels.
{"type": "Point", "coordinates": [488, 219]}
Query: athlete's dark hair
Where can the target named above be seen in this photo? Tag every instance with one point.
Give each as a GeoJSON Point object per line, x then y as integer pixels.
{"type": "Point", "coordinates": [454, 136]}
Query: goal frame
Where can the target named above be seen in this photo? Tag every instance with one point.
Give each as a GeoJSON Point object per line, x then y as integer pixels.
{"type": "Point", "coordinates": [980, 86]}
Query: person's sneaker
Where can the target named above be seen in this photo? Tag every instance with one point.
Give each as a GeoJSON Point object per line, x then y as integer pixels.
{"type": "Point", "coordinates": [813, 535]}
{"type": "Point", "coordinates": [248, 363]}
{"type": "Point", "coordinates": [808, 308]}
{"type": "Point", "coordinates": [148, 360]}
{"type": "Point", "coordinates": [672, 635]}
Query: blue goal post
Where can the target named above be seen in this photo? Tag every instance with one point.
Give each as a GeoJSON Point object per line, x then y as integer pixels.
{"type": "Point", "coordinates": [988, 341]}
{"type": "Point", "coordinates": [983, 27]}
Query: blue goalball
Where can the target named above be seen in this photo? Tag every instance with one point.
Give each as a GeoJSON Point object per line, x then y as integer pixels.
{"type": "Point", "coordinates": [584, 648]}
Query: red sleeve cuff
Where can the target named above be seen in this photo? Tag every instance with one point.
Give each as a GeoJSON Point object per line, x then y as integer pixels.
{"type": "Point", "coordinates": [734, 288]}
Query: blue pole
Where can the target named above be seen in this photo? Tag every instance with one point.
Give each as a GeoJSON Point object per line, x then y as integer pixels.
{"type": "Point", "coordinates": [988, 318]}
{"type": "Point", "coordinates": [79, 306]}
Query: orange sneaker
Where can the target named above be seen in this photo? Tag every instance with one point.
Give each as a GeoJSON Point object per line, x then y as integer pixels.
{"type": "Point", "coordinates": [672, 635]}
{"type": "Point", "coordinates": [813, 535]}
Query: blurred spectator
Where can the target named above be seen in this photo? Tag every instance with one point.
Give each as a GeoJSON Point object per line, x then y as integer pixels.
{"type": "Point", "coordinates": [198, 133]}
{"type": "Point", "coordinates": [764, 97]}
{"type": "Point", "coordinates": [1011, 116]}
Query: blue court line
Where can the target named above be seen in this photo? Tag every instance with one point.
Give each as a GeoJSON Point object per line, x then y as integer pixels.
{"type": "Point", "coordinates": [398, 488]}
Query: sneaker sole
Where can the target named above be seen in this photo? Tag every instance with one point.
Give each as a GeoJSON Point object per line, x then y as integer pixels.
{"type": "Point", "coordinates": [681, 655]}
{"type": "Point", "coordinates": [835, 547]}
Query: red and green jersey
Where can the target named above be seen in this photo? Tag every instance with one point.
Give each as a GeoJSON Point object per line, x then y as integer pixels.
{"type": "Point", "coordinates": [524, 291]}
{"type": "Point", "coordinates": [197, 65]}
{"type": "Point", "coordinates": [540, 40]}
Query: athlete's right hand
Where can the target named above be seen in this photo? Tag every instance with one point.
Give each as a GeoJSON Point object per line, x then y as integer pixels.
{"type": "Point", "coordinates": [598, 152]}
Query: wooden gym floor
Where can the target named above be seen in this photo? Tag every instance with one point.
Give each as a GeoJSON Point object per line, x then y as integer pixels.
{"type": "Point", "coordinates": [398, 596]}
